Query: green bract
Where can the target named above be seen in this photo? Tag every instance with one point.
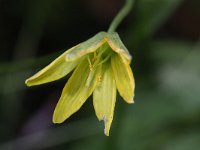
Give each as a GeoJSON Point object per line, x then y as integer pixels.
{"type": "Point", "coordinates": [102, 66]}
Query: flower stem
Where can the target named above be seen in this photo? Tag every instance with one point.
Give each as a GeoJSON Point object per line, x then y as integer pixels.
{"type": "Point", "coordinates": [121, 15]}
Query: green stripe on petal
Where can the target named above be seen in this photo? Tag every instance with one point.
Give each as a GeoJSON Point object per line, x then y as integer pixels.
{"type": "Point", "coordinates": [116, 44]}
{"type": "Point", "coordinates": [124, 78]}
{"type": "Point", "coordinates": [104, 98]}
{"type": "Point", "coordinates": [54, 71]}
{"type": "Point", "coordinates": [74, 93]}
{"type": "Point", "coordinates": [86, 47]}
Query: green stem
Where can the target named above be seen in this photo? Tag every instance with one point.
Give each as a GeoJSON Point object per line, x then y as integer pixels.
{"type": "Point", "coordinates": [121, 15]}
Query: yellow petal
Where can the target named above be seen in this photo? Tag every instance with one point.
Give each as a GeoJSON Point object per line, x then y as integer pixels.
{"type": "Point", "coordinates": [104, 98]}
{"type": "Point", "coordinates": [74, 93]}
{"type": "Point", "coordinates": [124, 78]}
{"type": "Point", "coordinates": [116, 44]}
{"type": "Point", "coordinates": [54, 71]}
{"type": "Point", "coordinates": [88, 46]}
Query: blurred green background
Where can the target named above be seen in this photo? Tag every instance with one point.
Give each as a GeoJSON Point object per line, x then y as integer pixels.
{"type": "Point", "coordinates": [163, 38]}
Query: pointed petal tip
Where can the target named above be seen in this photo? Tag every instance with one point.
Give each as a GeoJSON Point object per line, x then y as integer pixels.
{"type": "Point", "coordinates": [58, 117]}
{"type": "Point", "coordinates": [105, 132]}
{"type": "Point", "coordinates": [128, 100]}
{"type": "Point", "coordinates": [107, 126]}
{"type": "Point", "coordinates": [57, 120]}
{"type": "Point", "coordinates": [27, 83]}
{"type": "Point", "coordinates": [131, 101]}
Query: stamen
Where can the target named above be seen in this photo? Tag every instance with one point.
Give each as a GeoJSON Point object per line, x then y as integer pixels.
{"type": "Point", "coordinates": [90, 64]}
{"type": "Point", "coordinates": [94, 59]}
{"type": "Point", "coordinates": [91, 67]}
{"type": "Point", "coordinates": [105, 59]}
{"type": "Point", "coordinates": [90, 77]}
{"type": "Point", "coordinates": [99, 78]}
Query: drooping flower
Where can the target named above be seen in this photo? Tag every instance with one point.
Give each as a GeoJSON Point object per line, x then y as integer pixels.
{"type": "Point", "coordinates": [102, 66]}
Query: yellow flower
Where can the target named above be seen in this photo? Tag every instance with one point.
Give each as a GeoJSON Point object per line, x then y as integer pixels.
{"type": "Point", "coordinates": [102, 66]}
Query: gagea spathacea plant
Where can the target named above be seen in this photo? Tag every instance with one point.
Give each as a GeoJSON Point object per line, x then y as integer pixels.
{"type": "Point", "coordinates": [101, 67]}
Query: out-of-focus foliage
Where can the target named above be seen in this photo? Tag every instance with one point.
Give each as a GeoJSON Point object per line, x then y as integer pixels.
{"type": "Point", "coordinates": [166, 113]}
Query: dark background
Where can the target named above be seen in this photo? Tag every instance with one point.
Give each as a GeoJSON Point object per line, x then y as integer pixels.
{"type": "Point", "coordinates": [163, 38]}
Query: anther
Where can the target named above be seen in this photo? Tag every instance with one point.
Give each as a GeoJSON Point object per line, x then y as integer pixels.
{"type": "Point", "coordinates": [99, 78]}
{"type": "Point", "coordinates": [94, 59]}
{"type": "Point", "coordinates": [91, 67]}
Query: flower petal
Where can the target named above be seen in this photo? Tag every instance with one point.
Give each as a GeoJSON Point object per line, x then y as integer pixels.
{"type": "Point", "coordinates": [104, 98]}
{"type": "Point", "coordinates": [86, 47]}
{"type": "Point", "coordinates": [116, 44]}
{"type": "Point", "coordinates": [124, 78]}
{"type": "Point", "coordinates": [54, 71]}
{"type": "Point", "coordinates": [74, 93]}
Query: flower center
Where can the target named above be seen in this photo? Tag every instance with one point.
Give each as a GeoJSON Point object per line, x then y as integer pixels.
{"type": "Point", "coordinates": [100, 56]}
{"type": "Point", "coordinates": [96, 59]}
